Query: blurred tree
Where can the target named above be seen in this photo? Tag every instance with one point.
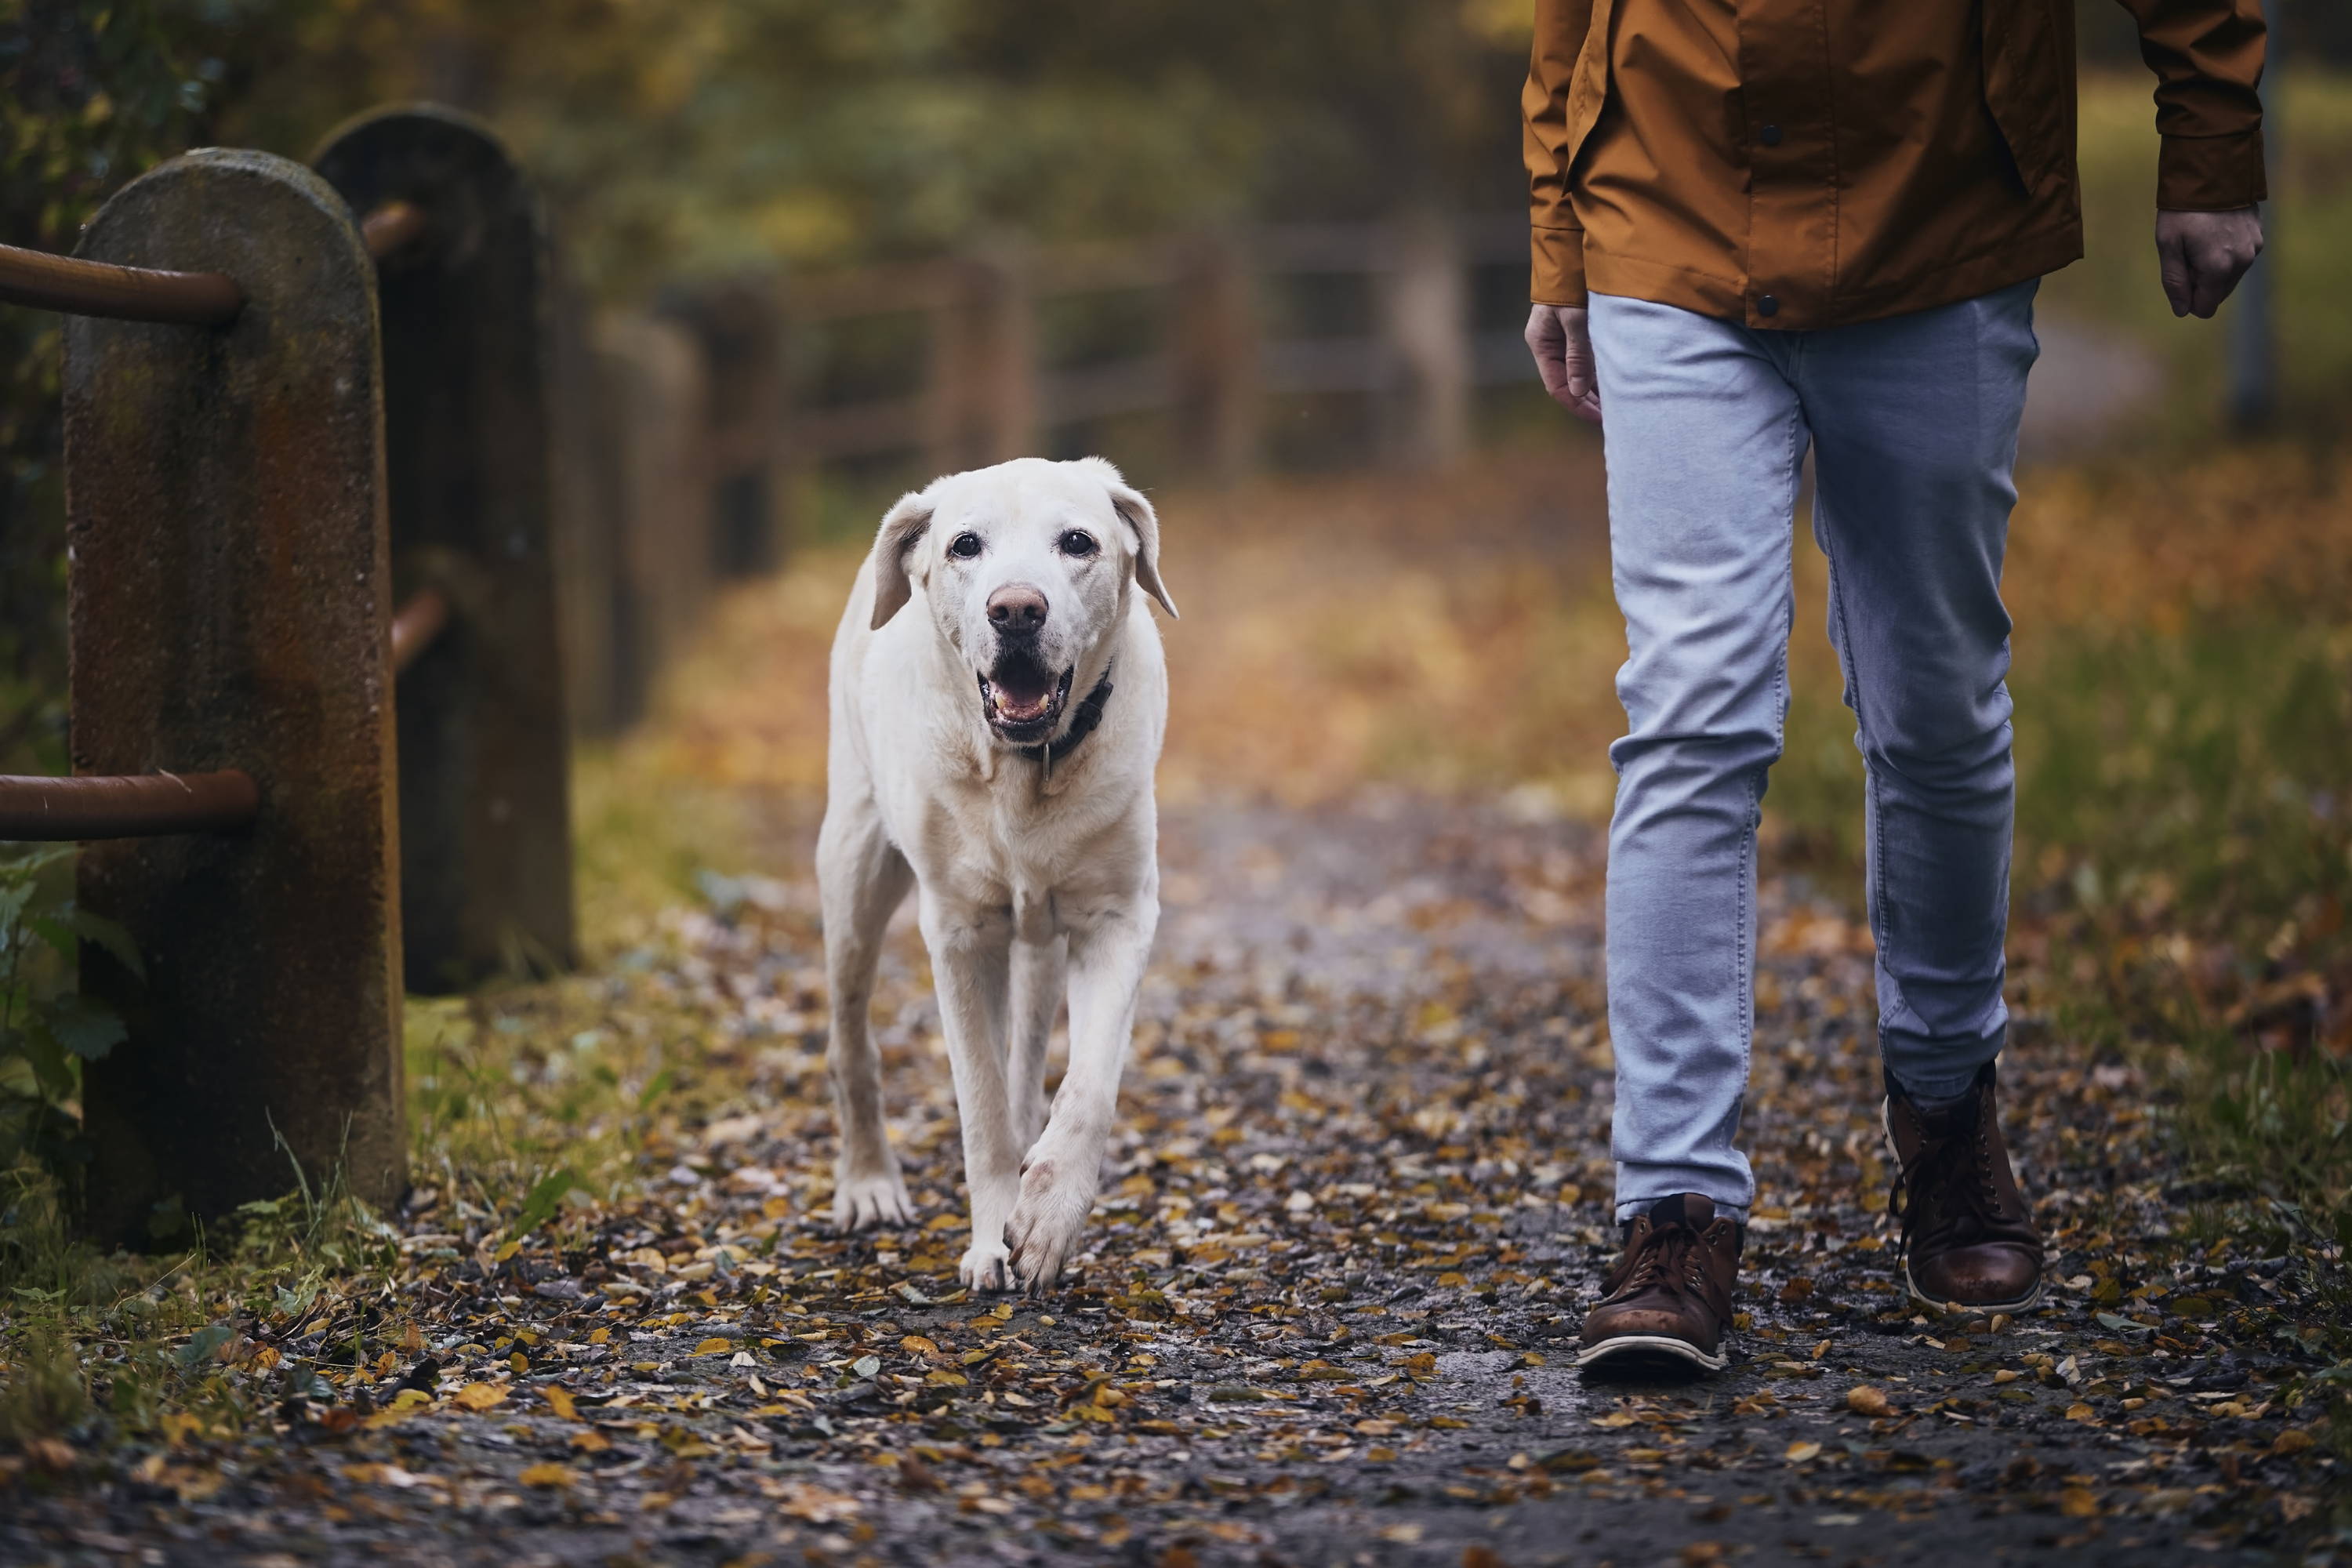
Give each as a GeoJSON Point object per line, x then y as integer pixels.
{"type": "Point", "coordinates": [737, 133]}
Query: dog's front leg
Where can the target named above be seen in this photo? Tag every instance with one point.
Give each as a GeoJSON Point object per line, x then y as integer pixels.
{"type": "Point", "coordinates": [970, 964]}
{"type": "Point", "coordinates": [1064, 1169]}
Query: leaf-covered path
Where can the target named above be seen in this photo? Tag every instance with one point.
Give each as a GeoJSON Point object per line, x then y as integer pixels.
{"type": "Point", "coordinates": [1357, 1201]}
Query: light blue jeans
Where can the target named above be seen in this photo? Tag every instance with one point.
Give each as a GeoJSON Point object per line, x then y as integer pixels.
{"type": "Point", "coordinates": [1913, 423]}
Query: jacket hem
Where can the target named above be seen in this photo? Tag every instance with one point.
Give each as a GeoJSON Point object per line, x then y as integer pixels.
{"type": "Point", "coordinates": [2039, 252]}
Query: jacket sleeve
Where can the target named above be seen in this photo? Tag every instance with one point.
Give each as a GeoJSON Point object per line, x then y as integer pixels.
{"type": "Point", "coordinates": [1556, 240]}
{"type": "Point", "coordinates": [2207, 56]}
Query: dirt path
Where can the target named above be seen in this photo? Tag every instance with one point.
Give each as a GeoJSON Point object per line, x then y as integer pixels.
{"type": "Point", "coordinates": [1357, 1201]}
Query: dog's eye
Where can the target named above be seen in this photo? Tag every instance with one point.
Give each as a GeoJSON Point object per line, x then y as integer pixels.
{"type": "Point", "coordinates": [964, 546]}
{"type": "Point", "coordinates": [1076, 543]}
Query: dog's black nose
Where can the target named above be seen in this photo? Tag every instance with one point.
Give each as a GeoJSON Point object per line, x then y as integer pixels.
{"type": "Point", "coordinates": [1016, 610]}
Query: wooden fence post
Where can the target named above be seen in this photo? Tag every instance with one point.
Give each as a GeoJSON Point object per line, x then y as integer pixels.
{"type": "Point", "coordinates": [229, 593]}
{"type": "Point", "coordinates": [1219, 404]}
{"type": "Point", "coordinates": [739, 327]}
{"type": "Point", "coordinates": [485, 818]}
{"type": "Point", "coordinates": [1425, 315]}
{"type": "Point", "coordinates": [653, 379]}
{"type": "Point", "coordinates": [985, 366]}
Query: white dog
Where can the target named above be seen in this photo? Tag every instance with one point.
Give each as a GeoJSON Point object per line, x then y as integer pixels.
{"type": "Point", "coordinates": [997, 708]}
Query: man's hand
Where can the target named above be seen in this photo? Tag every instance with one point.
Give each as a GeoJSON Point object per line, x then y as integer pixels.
{"type": "Point", "coordinates": [1562, 345]}
{"type": "Point", "coordinates": [2202, 256]}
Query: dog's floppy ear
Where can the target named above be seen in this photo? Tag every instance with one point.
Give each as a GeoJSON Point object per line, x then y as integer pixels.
{"type": "Point", "coordinates": [903, 527]}
{"type": "Point", "coordinates": [1128, 502]}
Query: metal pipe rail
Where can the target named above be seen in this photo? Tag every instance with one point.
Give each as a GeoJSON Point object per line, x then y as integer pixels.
{"type": "Point", "coordinates": [414, 626]}
{"type": "Point", "coordinates": [82, 287]}
{"type": "Point", "coordinates": [391, 227]}
{"type": "Point", "coordinates": [142, 806]}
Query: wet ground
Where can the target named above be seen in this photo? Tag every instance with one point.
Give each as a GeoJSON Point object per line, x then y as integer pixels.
{"type": "Point", "coordinates": [1357, 1205]}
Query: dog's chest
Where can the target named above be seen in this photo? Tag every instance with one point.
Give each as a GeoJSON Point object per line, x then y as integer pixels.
{"type": "Point", "coordinates": [1033, 861]}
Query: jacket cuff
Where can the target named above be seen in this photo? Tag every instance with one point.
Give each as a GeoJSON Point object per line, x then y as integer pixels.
{"type": "Point", "coordinates": [2210, 173]}
{"type": "Point", "coordinates": [1557, 276]}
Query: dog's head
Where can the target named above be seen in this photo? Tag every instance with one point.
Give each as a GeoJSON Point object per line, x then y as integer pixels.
{"type": "Point", "coordinates": [1027, 569]}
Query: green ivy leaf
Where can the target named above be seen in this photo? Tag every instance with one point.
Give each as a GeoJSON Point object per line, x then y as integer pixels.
{"type": "Point", "coordinates": [87, 1028]}
{"type": "Point", "coordinates": [51, 1066]}
{"type": "Point", "coordinates": [101, 931]}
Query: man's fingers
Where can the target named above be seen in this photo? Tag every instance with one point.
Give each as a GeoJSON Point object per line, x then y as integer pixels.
{"type": "Point", "coordinates": [2172, 267]}
{"type": "Point", "coordinates": [1546, 341]}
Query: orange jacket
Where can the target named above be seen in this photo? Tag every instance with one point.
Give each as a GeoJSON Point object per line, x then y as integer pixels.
{"type": "Point", "coordinates": [1811, 163]}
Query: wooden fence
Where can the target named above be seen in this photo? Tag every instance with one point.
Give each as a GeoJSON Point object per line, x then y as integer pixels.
{"type": "Point", "coordinates": [297, 398]}
{"type": "Point", "coordinates": [705, 421]}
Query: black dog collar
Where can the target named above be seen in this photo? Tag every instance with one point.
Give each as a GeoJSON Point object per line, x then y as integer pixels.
{"type": "Point", "coordinates": [1082, 725]}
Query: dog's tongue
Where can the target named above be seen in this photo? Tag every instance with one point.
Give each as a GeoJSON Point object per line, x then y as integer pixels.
{"type": "Point", "coordinates": [1021, 696]}
{"type": "Point", "coordinates": [1019, 705]}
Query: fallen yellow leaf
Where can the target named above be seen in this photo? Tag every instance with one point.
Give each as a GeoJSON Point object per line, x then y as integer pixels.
{"type": "Point", "coordinates": [478, 1397]}
{"type": "Point", "coordinates": [1865, 1400]}
{"type": "Point", "coordinates": [1800, 1452]}
{"type": "Point", "coordinates": [2081, 1413]}
{"type": "Point", "coordinates": [546, 1476]}
{"type": "Point", "coordinates": [2078, 1502]}
{"type": "Point", "coordinates": [559, 1399]}
{"type": "Point", "coordinates": [715, 1346]}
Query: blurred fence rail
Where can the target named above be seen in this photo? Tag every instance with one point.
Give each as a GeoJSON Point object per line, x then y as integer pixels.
{"type": "Point", "coordinates": [715, 411]}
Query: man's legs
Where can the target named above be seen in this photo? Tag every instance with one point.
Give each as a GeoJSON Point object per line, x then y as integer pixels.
{"type": "Point", "coordinates": [1915, 425]}
{"type": "Point", "coordinates": [1704, 438]}
{"type": "Point", "coordinates": [1913, 422]}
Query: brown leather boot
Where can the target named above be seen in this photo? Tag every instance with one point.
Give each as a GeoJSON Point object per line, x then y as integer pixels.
{"type": "Point", "coordinates": [1968, 1242]}
{"type": "Point", "coordinates": [1670, 1295]}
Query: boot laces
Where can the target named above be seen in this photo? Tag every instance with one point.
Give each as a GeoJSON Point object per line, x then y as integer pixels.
{"type": "Point", "coordinates": [1665, 1259]}
{"type": "Point", "coordinates": [1953, 1175]}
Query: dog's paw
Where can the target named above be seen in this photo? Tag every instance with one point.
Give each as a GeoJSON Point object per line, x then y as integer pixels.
{"type": "Point", "coordinates": [985, 1267]}
{"type": "Point", "coordinates": [864, 1201]}
{"type": "Point", "coordinates": [1047, 1222]}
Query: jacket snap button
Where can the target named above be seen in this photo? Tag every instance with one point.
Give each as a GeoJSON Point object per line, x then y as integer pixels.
{"type": "Point", "coordinates": [1770, 135]}
{"type": "Point", "coordinates": [1768, 305]}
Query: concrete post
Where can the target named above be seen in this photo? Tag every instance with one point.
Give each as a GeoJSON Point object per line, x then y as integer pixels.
{"type": "Point", "coordinates": [229, 595]}
{"type": "Point", "coordinates": [485, 822]}
{"type": "Point", "coordinates": [652, 378]}
{"type": "Point", "coordinates": [586, 521]}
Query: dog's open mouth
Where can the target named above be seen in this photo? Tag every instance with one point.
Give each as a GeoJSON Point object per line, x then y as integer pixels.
{"type": "Point", "coordinates": [1022, 699]}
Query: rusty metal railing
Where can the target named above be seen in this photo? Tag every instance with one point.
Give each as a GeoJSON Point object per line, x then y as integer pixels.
{"type": "Point", "coordinates": [140, 806]}
{"type": "Point", "coordinates": [414, 626]}
{"type": "Point", "coordinates": [123, 293]}
{"type": "Point", "coordinates": [392, 227]}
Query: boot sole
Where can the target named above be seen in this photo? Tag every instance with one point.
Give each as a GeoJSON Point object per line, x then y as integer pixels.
{"type": "Point", "coordinates": [2026, 1302]}
{"type": "Point", "coordinates": [1641, 1346]}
